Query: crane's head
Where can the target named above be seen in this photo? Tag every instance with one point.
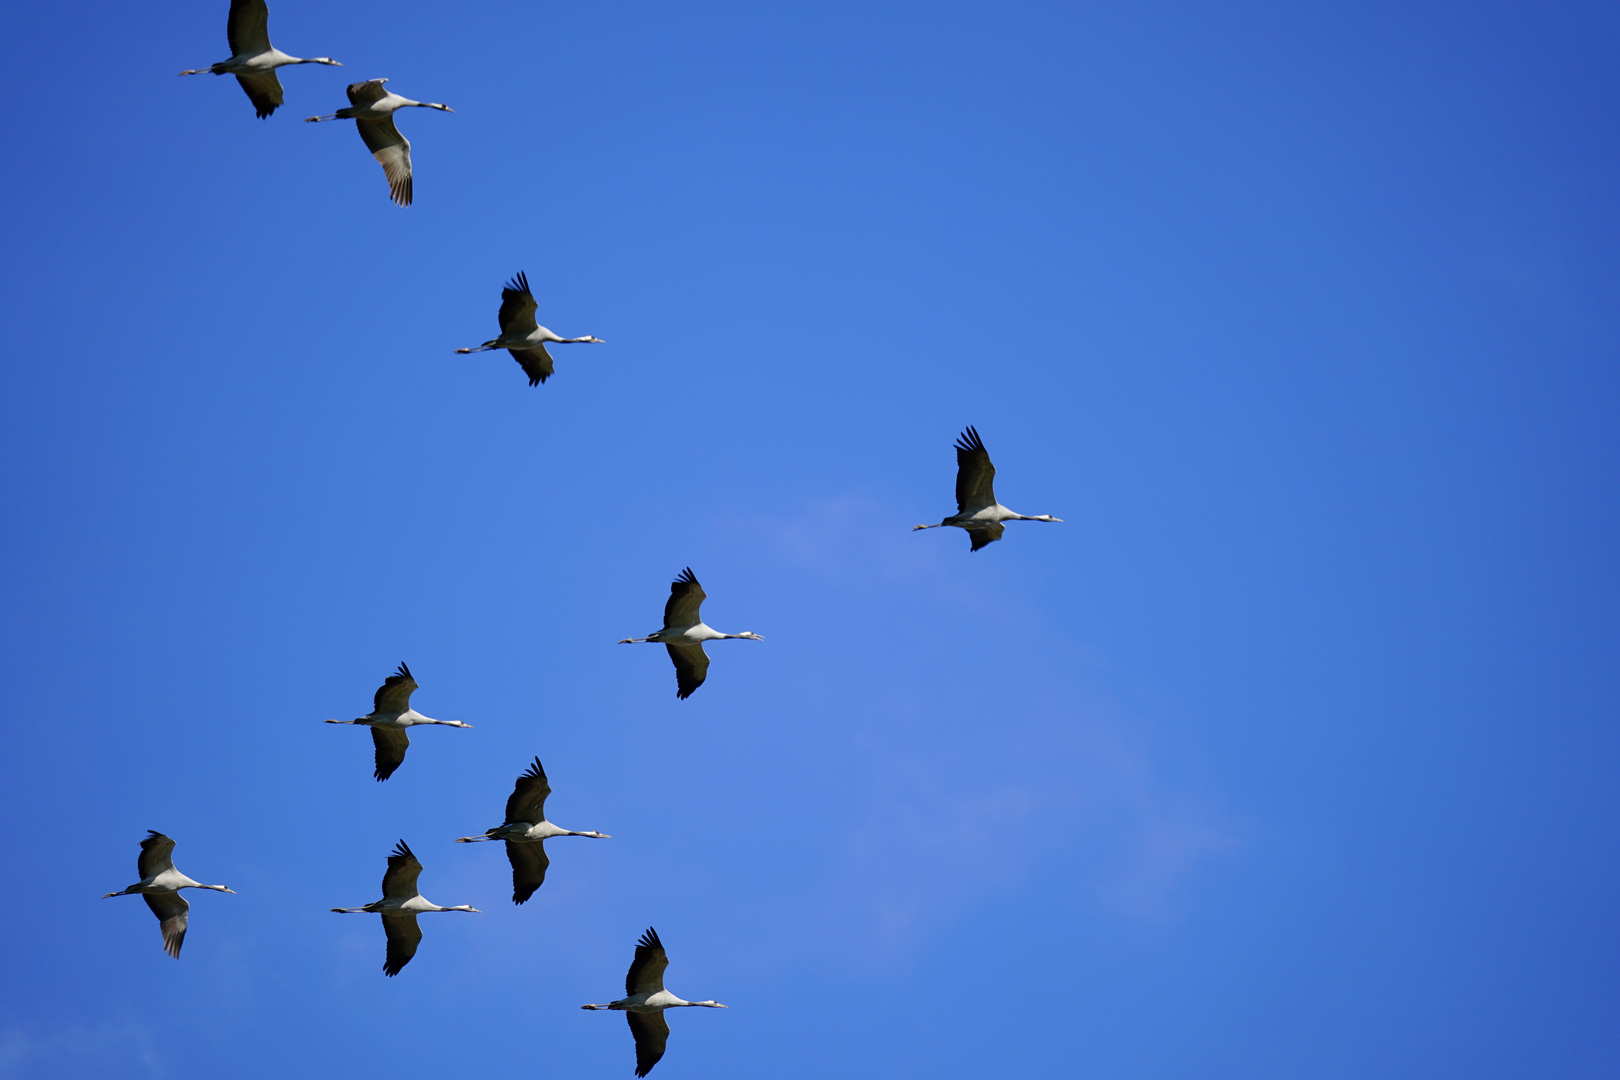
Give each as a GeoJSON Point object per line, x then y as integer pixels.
{"type": "Point", "coordinates": [750, 635]}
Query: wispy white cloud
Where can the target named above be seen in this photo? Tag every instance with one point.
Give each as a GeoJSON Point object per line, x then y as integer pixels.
{"type": "Point", "coordinates": [124, 1047]}
{"type": "Point", "coordinates": [1070, 773]}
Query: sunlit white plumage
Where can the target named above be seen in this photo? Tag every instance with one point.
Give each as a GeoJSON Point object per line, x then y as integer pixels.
{"type": "Point", "coordinates": [646, 999]}
{"type": "Point", "coordinates": [253, 59]}
{"type": "Point", "coordinates": [684, 633]}
{"type": "Point", "coordinates": [977, 510]}
{"type": "Point", "coordinates": [372, 109]}
{"type": "Point", "coordinates": [526, 831]}
{"type": "Point", "coordinates": [524, 337]}
{"type": "Point", "coordinates": [399, 907]}
{"type": "Point", "coordinates": [160, 884]}
{"type": "Point", "coordinates": [391, 714]}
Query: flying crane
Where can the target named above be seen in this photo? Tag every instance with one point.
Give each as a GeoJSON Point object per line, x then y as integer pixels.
{"type": "Point", "coordinates": [646, 999]}
{"type": "Point", "coordinates": [684, 633]}
{"type": "Point", "coordinates": [526, 831]}
{"type": "Point", "coordinates": [253, 59]}
{"type": "Point", "coordinates": [391, 714]}
{"type": "Point", "coordinates": [977, 510]}
{"type": "Point", "coordinates": [160, 884]}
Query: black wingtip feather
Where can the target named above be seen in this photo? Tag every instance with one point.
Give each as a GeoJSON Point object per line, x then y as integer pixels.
{"type": "Point", "coordinates": [536, 771]}
{"type": "Point", "coordinates": [403, 672]}
{"type": "Point", "coordinates": [685, 577]}
{"type": "Point", "coordinates": [969, 442]}
{"type": "Point", "coordinates": [402, 851]}
{"type": "Point", "coordinates": [649, 940]}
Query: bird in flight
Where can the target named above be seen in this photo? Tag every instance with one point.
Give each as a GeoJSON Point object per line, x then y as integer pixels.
{"type": "Point", "coordinates": [524, 338]}
{"type": "Point", "coordinates": [400, 906]}
{"type": "Point", "coordinates": [391, 714]}
{"type": "Point", "coordinates": [372, 110]}
{"type": "Point", "coordinates": [646, 999]}
{"type": "Point", "coordinates": [160, 884]}
{"type": "Point", "coordinates": [684, 634]}
{"type": "Point", "coordinates": [976, 508]}
{"type": "Point", "coordinates": [526, 831]}
{"type": "Point", "coordinates": [253, 59]}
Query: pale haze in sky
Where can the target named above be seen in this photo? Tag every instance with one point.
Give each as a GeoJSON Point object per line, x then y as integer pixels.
{"type": "Point", "coordinates": [1289, 754]}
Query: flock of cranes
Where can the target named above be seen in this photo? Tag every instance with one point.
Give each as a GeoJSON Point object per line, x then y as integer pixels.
{"type": "Point", "coordinates": [524, 828]}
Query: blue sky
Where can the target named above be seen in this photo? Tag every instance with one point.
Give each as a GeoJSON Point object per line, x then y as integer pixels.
{"type": "Point", "coordinates": [1289, 754]}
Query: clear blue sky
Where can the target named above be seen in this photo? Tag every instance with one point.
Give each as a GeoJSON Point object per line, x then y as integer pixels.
{"type": "Point", "coordinates": [1290, 754]}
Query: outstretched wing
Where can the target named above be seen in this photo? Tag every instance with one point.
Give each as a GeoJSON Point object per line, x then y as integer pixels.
{"type": "Point", "coordinates": [157, 855]}
{"type": "Point", "coordinates": [651, 1032]}
{"type": "Point", "coordinates": [403, 938]}
{"type": "Point", "coordinates": [528, 799]}
{"type": "Point", "coordinates": [975, 476]}
{"type": "Point", "coordinates": [394, 695]}
{"type": "Point", "coordinates": [400, 879]}
{"type": "Point", "coordinates": [529, 862]}
{"type": "Point", "coordinates": [987, 535]}
{"type": "Point", "coordinates": [646, 974]}
{"type": "Point", "coordinates": [248, 29]}
{"type": "Point", "coordinates": [536, 363]}
{"type": "Point", "coordinates": [393, 152]}
{"type": "Point", "coordinates": [691, 668]}
{"type": "Point", "coordinates": [517, 307]}
{"type": "Point", "coordinates": [264, 91]}
{"type": "Point", "coordinates": [364, 93]}
{"type": "Point", "coordinates": [170, 908]}
{"type": "Point", "coordinates": [390, 744]}
{"type": "Point", "coordinates": [686, 598]}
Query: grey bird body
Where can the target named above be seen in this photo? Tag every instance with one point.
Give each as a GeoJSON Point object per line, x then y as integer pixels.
{"type": "Point", "coordinates": [160, 885]}
{"type": "Point", "coordinates": [390, 717]}
{"type": "Point", "coordinates": [372, 109]}
{"type": "Point", "coordinates": [522, 336]}
{"type": "Point", "coordinates": [526, 830]}
{"type": "Point", "coordinates": [684, 633]}
{"type": "Point", "coordinates": [977, 510]}
{"type": "Point", "coordinates": [400, 905]}
{"type": "Point", "coordinates": [253, 59]}
{"type": "Point", "coordinates": [646, 999]}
